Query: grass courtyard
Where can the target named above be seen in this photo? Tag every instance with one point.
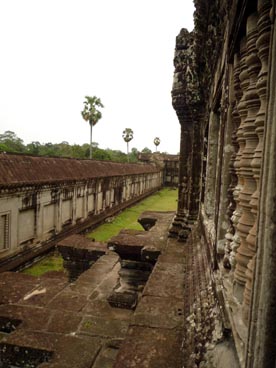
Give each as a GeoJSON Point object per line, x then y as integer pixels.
{"type": "Point", "coordinates": [163, 200]}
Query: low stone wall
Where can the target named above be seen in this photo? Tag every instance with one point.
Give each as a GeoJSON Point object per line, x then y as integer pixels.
{"type": "Point", "coordinates": [38, 205]}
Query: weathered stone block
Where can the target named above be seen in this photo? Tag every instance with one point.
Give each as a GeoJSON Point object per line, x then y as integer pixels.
{"type": "Point", "coordinates": [103, 327]}
{"type": "Point", "coordinates": [124, 299]}
{"type": "Point", "coordinates": [150, 254]}
{"type": "Point", "coordinates": [79, 253]}
{"type": "Point", "coordinates": [150, 347]}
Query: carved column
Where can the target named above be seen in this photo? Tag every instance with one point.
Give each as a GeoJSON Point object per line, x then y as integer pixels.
{"type": "Point", "coordinates": [226, 151]}
{"type": "Point", "coordinates": [212, 149]}
{"type": "Point", "coordinates": [251, 104]}
{"type": "Point", "coordinates": [179, 226]}
{"type": "Point", "coordinates": [239, 70]}
{"type": "Point", "coordinates": [242, 110]}
{"type": "Point", "coordinates": [228, 260]}
{"type": "Point", "coordinates": [262, 44]}
{"type": "Point", "coordinates": [261, 350]}
{"type": "Point", "coordinates": [197, 161]}
{"type": "Point", "coordinates": [185, 99]}
{"type": "Point", "coordinates": [184, 187]}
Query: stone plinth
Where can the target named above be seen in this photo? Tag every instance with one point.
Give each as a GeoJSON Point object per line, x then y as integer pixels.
{"type": "Point", "coordinates": [137, 260]}
{"type": "Point", "coordinates": [138, 251]}
{"type": "Point", "coordinates": [131, 244]}
{"type": "Point", "coordinates": [79, 253]}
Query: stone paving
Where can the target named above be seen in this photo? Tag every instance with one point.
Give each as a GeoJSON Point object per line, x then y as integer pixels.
{"type": "Point", "coordinates": [50, 322]}
{"type": "Point", "coordinates": [72, 322]}
{"type": "Point", "coordinates": [156, 330]}
{"type": "Point", "coordinates": [178, 319]}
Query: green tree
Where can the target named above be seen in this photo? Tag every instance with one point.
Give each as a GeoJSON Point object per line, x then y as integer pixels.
{"type": "Point", "coordinates": [78, 151]}
{"type": "Point", "coordinates": [11, 143]}
{"type": "Point", "coordinates": [117, 155]}
{"type": "Point", "coordinates": [146, 150]}
{"type": "Point", "coordinates": [156, 141]}
{"type": "Point", "coordinates": [101, 154]}
{"type": "Point", "coordinates": [64, 149]}
{"type": "Point", "coordinates": [4, 147]}
{"type": "Point", "coordinates": [34, 148]}
{"type": "Point", "coordinates": [133, 156]}
{"type": "Point", "coordinates": [91, 114]}
{"type": "Point", "coordinates": [127, 136]}
{"type": "Point", "coordinates": [49, 149]}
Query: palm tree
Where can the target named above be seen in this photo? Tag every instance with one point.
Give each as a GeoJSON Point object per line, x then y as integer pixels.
{"type": "Point", "coordinates": [128, 136]}
{"type": "Point", "coordinates": [92, 114]}
{"type": "Point", "coordinates": [156, 142]}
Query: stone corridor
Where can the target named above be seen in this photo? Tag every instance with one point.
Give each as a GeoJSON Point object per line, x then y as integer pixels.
{"type": "Point", "coordinates": [50, 322]}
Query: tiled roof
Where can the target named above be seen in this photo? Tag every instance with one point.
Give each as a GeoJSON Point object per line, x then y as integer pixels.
{"type": "Point", "coordinates": [17, 169]}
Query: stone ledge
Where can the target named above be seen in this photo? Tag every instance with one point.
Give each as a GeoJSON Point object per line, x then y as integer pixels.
{"type": "Point", "coordinates": [158, 312]}
{"type": "Point", "coordinates": [147, 347]}
{"type": "Point", "coordinates": [155, 334]}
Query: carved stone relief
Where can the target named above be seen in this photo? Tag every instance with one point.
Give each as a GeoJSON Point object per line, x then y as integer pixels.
{"type": "Point", "coordinates": [262, 48]}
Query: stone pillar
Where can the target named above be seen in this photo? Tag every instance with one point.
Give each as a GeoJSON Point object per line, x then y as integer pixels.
{"type": "Point", "coordinates": [262, 44]}
{"type": "Point", "coordinates": [197, 163]}
{"type": "Point", "coordinates": [99, 197]}
{"type": "Point", "coordinates": [251, 104]}
{"type": "Point", "coordinates": [180, 228]}
{"type": "Point", "coordinates": [74, 205]}
{"type": "Point", "coordinates": [261, 350]}
{"type": "Point", "coordinates": [241, 259]}
{"type": "Point", "coordinates": [209, 197]}
{"type": "Point", "coordinates": [184, 186]}
{"type": "Point", "coordinates": [39, 215]}
{"type": "Point", "coordinates": [235, 95]}
{"type": "Point", "coordinates": [239, 142]}
{"type": "Point", "coordinates": [58, 209]}
{"type": "Point", "coordinates": [226, 152]}
{"type": "Point", "coordinates": [85, 199]}
{"type": "Point", "coordinates": [186, 101]}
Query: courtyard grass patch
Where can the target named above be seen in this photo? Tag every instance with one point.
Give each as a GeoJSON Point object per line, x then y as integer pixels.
{"type": "Point", "coordinates": [163, 200]}
{"type": "Point", "coordinates": [53, 262]}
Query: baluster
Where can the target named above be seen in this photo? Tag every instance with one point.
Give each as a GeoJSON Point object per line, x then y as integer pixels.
{"type": "Point", "coordinates": [262, 44]}
{"type": "Point", "coordinates": [242, 110]}
{"type": "Point", "coordinates": [238, 143]}
{"type": "Point", "coordinates": [239, 274]}
{"type": "Point", "coordinates": [229, 236]}
{"type": "Point", "coordinates": [252, 104]}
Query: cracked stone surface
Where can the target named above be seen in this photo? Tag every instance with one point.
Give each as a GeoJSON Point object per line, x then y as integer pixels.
{"type": "Point", "coordinates": [55, 315]}
{"type": "Point", "coordinates": [176, 322]}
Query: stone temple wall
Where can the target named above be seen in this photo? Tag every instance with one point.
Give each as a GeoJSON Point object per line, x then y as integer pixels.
{"type": "Point", "coordinates": [43, 198]}
{"type": "Point", "coordinates": [168, 163]}
{"type": "Point", "coordinates": [224, 96]}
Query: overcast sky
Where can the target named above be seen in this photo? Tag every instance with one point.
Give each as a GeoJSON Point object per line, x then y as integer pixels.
{"type": "Point", "coordinates": [55, 52]}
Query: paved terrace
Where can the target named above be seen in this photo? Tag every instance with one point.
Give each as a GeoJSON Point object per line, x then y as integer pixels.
{"type": "Point", "coordinates": [126, 310]}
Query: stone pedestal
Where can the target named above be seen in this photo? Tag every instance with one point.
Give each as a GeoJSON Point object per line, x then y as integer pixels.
{"type": "Point", "coordinates": [79, 253]}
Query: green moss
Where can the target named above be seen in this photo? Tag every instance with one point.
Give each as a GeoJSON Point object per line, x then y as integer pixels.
{"type": "Point", "coordinates": [88, 324]}
{"type": "Point", "coordinates": [52, 262]}
{"type": "Point", "coordinates": [164, 200]}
